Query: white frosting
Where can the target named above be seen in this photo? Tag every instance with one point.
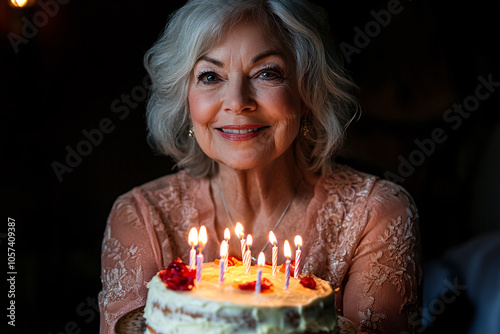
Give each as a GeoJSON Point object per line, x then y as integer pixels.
{"type": "Point", "coordinates": [224, 308]}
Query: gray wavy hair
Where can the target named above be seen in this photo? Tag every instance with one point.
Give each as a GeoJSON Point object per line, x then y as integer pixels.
{"type": "Point", "coordinates": [196, 27]}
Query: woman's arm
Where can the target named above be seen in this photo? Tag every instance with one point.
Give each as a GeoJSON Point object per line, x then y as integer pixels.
{"type": "Point", "coordinates": [382, 288]}
{"type": "Point", "coordinates": [128, 262]}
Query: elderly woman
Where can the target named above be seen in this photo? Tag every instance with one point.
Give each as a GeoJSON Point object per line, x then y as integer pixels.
{"type": "Point", "coordinates": [248, 98]}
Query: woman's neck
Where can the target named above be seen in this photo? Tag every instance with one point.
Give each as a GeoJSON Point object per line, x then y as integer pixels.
{"type": "Point", "coordinates": [262, 190]}
{"type": "Point", "coordinates": [259, 194]}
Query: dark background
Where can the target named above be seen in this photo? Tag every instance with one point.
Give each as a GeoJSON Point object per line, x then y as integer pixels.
{"type": "Point", "coordinates": [83, 65]}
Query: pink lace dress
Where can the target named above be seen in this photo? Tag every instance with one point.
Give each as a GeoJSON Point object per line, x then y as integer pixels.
{"type": "Point", "coordinates": [361, 234]}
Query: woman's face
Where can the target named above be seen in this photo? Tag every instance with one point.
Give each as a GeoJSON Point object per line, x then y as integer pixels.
{"type": "Point", "coordinates": [243, 99]}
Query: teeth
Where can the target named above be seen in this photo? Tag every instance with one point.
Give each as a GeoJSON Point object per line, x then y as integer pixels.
{"type": "Point", "coordinates": [239, 132]}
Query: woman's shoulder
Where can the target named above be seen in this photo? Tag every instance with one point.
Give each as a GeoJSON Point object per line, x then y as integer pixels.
{"type": "Point", "coordinates": [347, 173]}
{"type": "Point", "coordinates": [346, 181]}
{"type": "Point", "coordinates": [349, 182]}
{"type": "Point", "coordinates": [175, 186]}
{"type": "Point", "coordinates": [179, 180]}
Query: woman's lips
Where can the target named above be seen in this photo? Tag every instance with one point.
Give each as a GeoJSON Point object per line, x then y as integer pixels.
{"type": "Point", "coordinates": [241, 133]}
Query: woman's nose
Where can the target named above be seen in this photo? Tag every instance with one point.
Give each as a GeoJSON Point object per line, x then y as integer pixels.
{"type": "Point", "coordinates": [239, 96]}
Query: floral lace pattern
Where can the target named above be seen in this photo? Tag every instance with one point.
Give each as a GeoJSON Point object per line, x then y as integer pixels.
{"type": "Point", "coordinates": [363, 236]}
{"type": "Point", "coordinates": [121, 279]}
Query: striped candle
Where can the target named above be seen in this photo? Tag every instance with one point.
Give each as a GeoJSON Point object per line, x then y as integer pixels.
{"type": "Point", "coordinates": [243, 248]}
{"type": "Point", "coordinates": [275, 260]}
{"type": "Point", "coordinates": [246, 262]}
{"type": "Point", "coordinates": [298, 243]}
{"type": "Point", "coordinates": [258, 282]}
{"type": "Point", "coordinates": [288, 254]}
{"type": "Point", "coordinates": [260, 262]}
{"type": "Point", "coordinates": [239, 233]}
{"type": "Point", "coordinates": [202, 241]}
{"type": "Point", "coordinates": [223, 256]}
{"type": "Point", "coordinates": [226, 261]}
{"type": "Point", "coordinates": [199, 266]}
{"type": "Point", "coordinates": [192, 258]}
{"type": "Point", "coordinates": [272, 239]}
{"type": "Point", "coordinates": [287, 273]}
{"type": "Point", "coordinates": [247, 259]}
{"type": "Point", "coordinates": [221, 271]}
{"type": "Point", "coordinates": [193, 241]}
{"type": "Point", "coordinates": [297, 263]}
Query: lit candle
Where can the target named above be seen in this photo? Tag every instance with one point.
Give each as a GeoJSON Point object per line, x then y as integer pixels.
{"type": "Point", "coordinates": [193, 241]}
{"type": "Point", "coordinates": [298, 243]}
{"type": "Point", "coordinates": [260, 262]}
{"type": "Point", "coordinates": [227, 235]}
{"type": "Point", "coordinates": [239, 232]}
{"type": "Point", "coordinates": [272, 239]}
{"type": "Point", "coordinates": [288, 254]}
{"type": "Point", "coordinates": [202, 239]}
{"type": "Point", "coordinates": [223, 256]}
{"type": "Point", "coordinates": [247, 260]}
{"type": "Point", "coordinates": [19, 3]}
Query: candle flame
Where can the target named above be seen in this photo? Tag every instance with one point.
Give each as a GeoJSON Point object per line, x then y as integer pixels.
{"type": "Point", "coordinates": [262, 259]}
{"type": "Point", "coordinates": [227, 234]}
{"type": "Point", "coordinates": [272, 238]}
{"type": "Point", "coordinates": [223, 249]}
{"type": "Point", "coordinates": [203, 237]}
{"type": "Point", "coordinates": [287, 249]}
{"type": "Point", "coordinates": [19, 3]}
{"type": "Point", "coordinates": [193, 236]}
{"type": "Point", "coordinates": [298, 240]}
{"type": "Point", "coordinates": [249, 240]}
{"type": "Point", "coordinates": [239, 230]}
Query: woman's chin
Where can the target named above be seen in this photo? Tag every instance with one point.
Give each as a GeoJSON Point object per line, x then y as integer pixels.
{"type": "Point", "coordinates": [253, 159]}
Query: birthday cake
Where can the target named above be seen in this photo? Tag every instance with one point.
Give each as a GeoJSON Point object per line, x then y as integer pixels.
{"type": "Point", "coordinates": [177, 303]}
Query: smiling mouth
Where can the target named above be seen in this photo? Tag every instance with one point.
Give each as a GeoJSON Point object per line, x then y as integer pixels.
{"type": "Point", "coordinates": [241, 131]}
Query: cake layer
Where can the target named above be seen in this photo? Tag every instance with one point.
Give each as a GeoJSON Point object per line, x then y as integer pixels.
{"type": "Point", "coordinates": [224, 308]}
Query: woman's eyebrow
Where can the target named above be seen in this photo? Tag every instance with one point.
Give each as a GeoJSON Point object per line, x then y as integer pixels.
{"type": "Point", "coordinates": [265, 54]}
{"type": "Point", "coordinates": [255, 59]}
{"type": "Point", "coordinates": [214, 61]}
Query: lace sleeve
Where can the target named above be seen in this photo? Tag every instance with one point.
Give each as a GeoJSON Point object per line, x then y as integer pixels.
{"type": "Point", "coordinates": [128, 262]}
{"type": "Point", "coordinates": [382, 285]}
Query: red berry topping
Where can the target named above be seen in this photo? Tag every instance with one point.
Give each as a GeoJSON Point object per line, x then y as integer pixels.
{"type": "Point", "coordinates": [231, 261]}
{"type": "Point", "coordinates": [250, 286]}
{"type": "Point", "coordinates": [177, 276]}
{"type": "Point", "coordinates": [308, 282]}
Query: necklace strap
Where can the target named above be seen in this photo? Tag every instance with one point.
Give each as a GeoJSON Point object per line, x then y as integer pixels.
{"type": "Point", "coordinates": [225, 206]}
{"type": "Point", "coordinates": [277, 224]}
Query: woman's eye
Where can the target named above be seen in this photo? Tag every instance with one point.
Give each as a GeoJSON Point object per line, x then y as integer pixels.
{"type": "Point", "coordinates": [270, 74]}
{"type": "Point", "coordinates": [208, 77]}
